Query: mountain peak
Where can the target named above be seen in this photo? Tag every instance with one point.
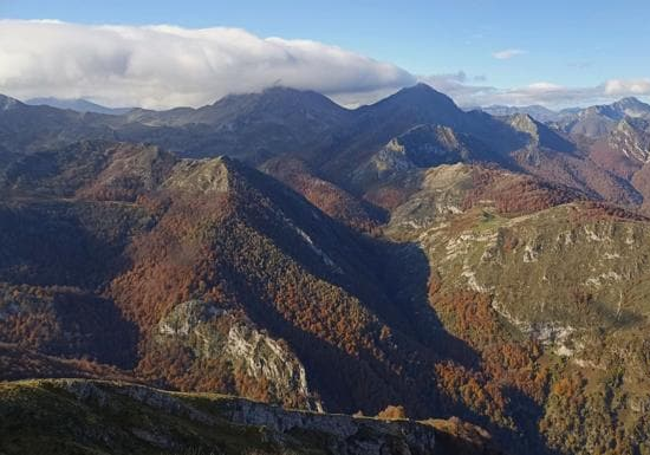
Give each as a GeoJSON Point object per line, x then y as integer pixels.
{"type": "Point", "coordinates": [425, 91]}
{"type": "Point", "coordinates": [205, 176]}
{"type": "Point", "coordinates": [422, 87]}
{"type": "Point", "coordinates": [282, 96]}
{"type": "Point", "coordinates": [536, 111]}
{"type": "Point", "coordinates": [278, 103]}
{"type": "Point", "coordinates": [422, 101]}
{"type": "Point", "coordinates": [630, 100]}
{"type": "Point", "coordinates": [284, 90]}
{"type": "Point", "coordinates": [525, 123]}
{"type": "Point", "coordinates": [7, 103]}
{"type": "Point", "coordinates": [540, 134]}
{"type": "Point", "coordinates": [76, 104]}
{"type": "Point", "coordinates": [524, 117]}
{"type": "Point", "coordinates": [631, 106]}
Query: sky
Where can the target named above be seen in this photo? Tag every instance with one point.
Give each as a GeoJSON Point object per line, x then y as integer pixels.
{"type": "Point", "coordinates": [164, 53]}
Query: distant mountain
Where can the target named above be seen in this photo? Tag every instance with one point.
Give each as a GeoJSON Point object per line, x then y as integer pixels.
{"type": "Point", "coordinates": [79, 105]}
{"type": "Point", "coordinates": [421, 147]}
{"type": "Point", "coordinates": [540, 134]}
{"type": "Point", "coordinates": [280, 121]}
{"type": "Point", "coordinates": [625, 151]}
{"type": "Point", "coordinates": [553, 156]}
{"type": "Point", "coordinates": [418, 104]}
{"type": "Point", "coordinates": [597, 121]}
{"type": "Point", "coordinates": [631, 137]}
{"type": "Point", "coordinates": [254, 127]}
{"type": "Point", "coordinates": [632, 107]}
{"type": "Point", "coordinates": [591, 122]}
{"type": "Point", "coordinates": [283, 122]}
{"type": "Point", "coordinates": [25, 128]}
{"type": "Point", "coordinates": [626, 107]}
{"type": "Point", "coordinates": [337, 145]}
{"type": "Point", "coordinates": [378, 124]}
{"type": "Point", "coordinates": [7, 103]}
{"type": "Point", "coordinates": [272, 104]}
{"type": "Point", "coordinates": [539, 113]}
{"type": "Point", "coordinates": [614, 137]}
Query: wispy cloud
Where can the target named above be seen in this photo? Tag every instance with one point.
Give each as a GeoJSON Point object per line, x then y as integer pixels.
{"type": "Point", "coordinates": [164, 66]}
{"type": "Point", "coordinates": [507, 54]}
{"type": "Point", "coordinates": [545, 93]}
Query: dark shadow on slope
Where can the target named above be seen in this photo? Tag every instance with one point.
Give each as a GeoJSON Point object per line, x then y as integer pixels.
{"type": "Point", "coordinates": [97, 328]}
{"type": "Point", "coordinates": [346, 382]}
{"type": "Point", "coordinates": [62, 243]}
{"type": "Point", "coordinates": [57, 255]}
{"type": "Point", "coordinates": [404, 374]}
{"type": "Point", "coordinates": [527, 413]}
{"type": "Point", "coordinates": [405, 272]}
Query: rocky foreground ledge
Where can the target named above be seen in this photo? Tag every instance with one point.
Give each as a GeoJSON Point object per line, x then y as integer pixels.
{"type": "Point", "coordinates": [70, 417]}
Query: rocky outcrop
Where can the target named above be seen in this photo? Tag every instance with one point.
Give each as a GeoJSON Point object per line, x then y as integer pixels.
{"type": "Point", "coordinates": [215, 332]}
{"type": "Point", "coordinates": [423, 146]}
{"type": "Point", "coordinates": [540, 136]}
{"type": "Point", "coordinates": [631, 137]}
{"type": "Point", "coordinates": [137, 419]}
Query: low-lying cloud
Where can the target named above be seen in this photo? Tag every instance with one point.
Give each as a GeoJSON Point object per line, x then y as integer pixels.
{"type": "Point", "coordinates": [543, 93]}
{"type": "Point", "coordinates": [630, 87]}
{"type": "Point", "coordinates": [163, 66]}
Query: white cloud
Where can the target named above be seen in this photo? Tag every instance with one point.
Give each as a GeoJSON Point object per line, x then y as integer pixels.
{"type": "Point", "coordinates": [164, 66]}
{"type": "Point", "coordinates": [507, 54]}
{"type": "Point", "coordinates": [630, 87]}
{"type": "Point", "coordinates": [545, 93]}
{"type": "Point", "coordinates": [543, 87]}
{"type": "Point", "coordinates": [556, 95]}
{"type": "Point", "coordinates": [455, 85]}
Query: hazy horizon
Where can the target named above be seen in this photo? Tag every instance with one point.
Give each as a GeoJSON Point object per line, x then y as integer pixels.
{"type": "Point", "coordinates": [50, 100]}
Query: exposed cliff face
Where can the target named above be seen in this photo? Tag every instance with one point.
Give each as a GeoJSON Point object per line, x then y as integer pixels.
{"type": "Point", "coordinates": [631, 137]}
{"type": "Point", "coordinates": [423, 146]}
{"type": "Point", "coordinates": [84, 417]}
{"type": "Point", "coordinates": [212, 332]}
{"type": "Point", "coordinates": [199, 176]}
{"type": "Point", "coordinates": [539, 134]}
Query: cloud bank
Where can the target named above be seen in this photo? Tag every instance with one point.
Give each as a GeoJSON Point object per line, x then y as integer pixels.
{"type": "Point", "coordinates": [164, 66]}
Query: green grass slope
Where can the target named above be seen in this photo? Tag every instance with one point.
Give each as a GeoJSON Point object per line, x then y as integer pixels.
{"type": "Point", "coordinates": [99, 417]}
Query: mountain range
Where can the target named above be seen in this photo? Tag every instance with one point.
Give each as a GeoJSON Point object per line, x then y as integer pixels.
{"type": "Point", "coordinates": [488, 269]}
{"type": "Point", "coordinates": [78, 104]}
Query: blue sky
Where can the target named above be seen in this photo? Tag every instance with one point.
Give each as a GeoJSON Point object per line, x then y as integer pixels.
{"type": "Point", "coordinates": [573, 44]}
